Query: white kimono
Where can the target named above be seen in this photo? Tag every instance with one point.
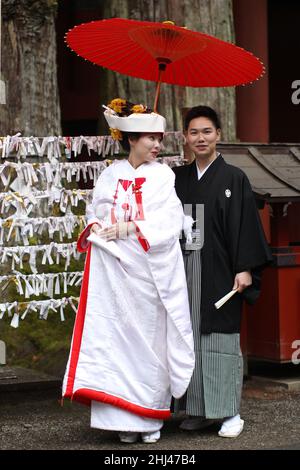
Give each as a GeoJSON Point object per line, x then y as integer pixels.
{"type": "Point", "coordinates": [132, 345]}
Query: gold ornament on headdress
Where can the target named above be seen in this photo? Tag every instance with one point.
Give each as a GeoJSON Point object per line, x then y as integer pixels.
{"type": "Point", "coordinates": [138, 108]}
{"type": "Point", "coordinates": [116, 134]}
{"type": "Point", "coordinates": [117, 105]}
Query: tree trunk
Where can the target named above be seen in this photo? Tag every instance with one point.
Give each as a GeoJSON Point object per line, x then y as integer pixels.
{"type": "Point", "coordinates": [29, 68]}
{"type": "Point", "coordinates": [213, 17]}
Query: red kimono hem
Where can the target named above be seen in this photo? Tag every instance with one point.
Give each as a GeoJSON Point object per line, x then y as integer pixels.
{"type": "Point", "coordinates": [85, 396]}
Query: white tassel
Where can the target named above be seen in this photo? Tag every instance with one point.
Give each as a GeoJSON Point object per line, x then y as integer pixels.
{"type": "Point", "coordinates": [57, 286]}
{"type": "Point", "coordinates": [25, 313]}
{"type": "Point", "coordinates": [62, 317]}
{"type": "Point", "coordinates": [2, 310]}
{"type": "Point", "coordinates": [44, 309]}
{"type": "Point", "coordinates": [15, 321]}
{"type": "Point", "coordinates": [50, 286]}
{"type": "Point", "coordinates": [19, 286]}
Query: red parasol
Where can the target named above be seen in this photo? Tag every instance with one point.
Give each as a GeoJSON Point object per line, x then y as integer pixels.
{"type": "Point", "coordinates": [163, 52]}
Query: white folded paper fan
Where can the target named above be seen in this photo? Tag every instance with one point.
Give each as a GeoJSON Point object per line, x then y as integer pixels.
{"type": "Point", "coordinates": [224, 299]}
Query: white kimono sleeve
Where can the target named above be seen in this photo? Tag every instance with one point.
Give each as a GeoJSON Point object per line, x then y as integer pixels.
{"type": "Point", "coordinates": [163, 214]}
{"type": "Point", "coordinates": [93, 215]}
{"type": "Point", "coordinates": [98, 211]}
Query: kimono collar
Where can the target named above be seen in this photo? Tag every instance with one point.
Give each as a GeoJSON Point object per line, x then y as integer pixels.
{"type": "Point", "coordinates": [215, 163]}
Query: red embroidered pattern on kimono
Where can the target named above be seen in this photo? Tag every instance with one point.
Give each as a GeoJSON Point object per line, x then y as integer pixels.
{"type": "Point", "coordinates": [127, 207]}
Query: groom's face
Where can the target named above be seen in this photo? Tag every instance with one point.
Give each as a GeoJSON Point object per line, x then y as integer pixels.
{"type": "Point", "coordinates": [202, 137]}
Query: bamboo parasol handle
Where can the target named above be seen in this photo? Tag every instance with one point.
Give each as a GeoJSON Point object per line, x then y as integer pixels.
{"type": "Point", "coordinates": [161, 69]}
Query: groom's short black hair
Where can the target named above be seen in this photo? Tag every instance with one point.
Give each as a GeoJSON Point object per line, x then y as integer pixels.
{"type": "Point", "coordinates": [202, 111]}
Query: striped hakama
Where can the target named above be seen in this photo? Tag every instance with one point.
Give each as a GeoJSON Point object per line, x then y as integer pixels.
{"type": "Point", "coordinates": [215, 388]}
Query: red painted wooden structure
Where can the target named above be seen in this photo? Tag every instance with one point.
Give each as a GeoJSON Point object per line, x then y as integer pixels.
{"type": "Point", "coordinates": [272, 326]}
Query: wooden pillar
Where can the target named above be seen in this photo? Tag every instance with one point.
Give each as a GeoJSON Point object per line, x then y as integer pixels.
{"type": "Point", "coordinates": [252, 101]}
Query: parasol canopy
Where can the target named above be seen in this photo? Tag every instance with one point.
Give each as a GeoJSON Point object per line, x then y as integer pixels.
{"type": "Point", "coordinates": [164, 52]}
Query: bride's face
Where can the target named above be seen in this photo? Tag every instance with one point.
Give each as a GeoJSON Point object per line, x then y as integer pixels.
{"type": "Point", "coordinates": [147, 147]}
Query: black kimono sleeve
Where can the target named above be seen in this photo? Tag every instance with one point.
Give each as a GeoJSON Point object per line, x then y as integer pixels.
{"type": "Point", "coordinates": [245, 236]}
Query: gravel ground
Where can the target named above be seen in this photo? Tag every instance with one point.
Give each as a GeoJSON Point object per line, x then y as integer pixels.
{"type": "Point", "coordinates": [272, 421]}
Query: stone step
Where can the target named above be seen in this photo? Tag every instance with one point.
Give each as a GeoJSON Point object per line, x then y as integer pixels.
{"type": "Point", "coordinates": [18, 379]}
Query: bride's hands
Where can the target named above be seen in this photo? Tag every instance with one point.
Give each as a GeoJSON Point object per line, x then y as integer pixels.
{"type": "Point", "coordinates": [120, 230]}
{"type": "Point", "coordinates": [96, 228]}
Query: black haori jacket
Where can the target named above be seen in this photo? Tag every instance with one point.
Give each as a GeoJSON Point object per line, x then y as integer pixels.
{"type": "Point", "coordinates": [234, 240]}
